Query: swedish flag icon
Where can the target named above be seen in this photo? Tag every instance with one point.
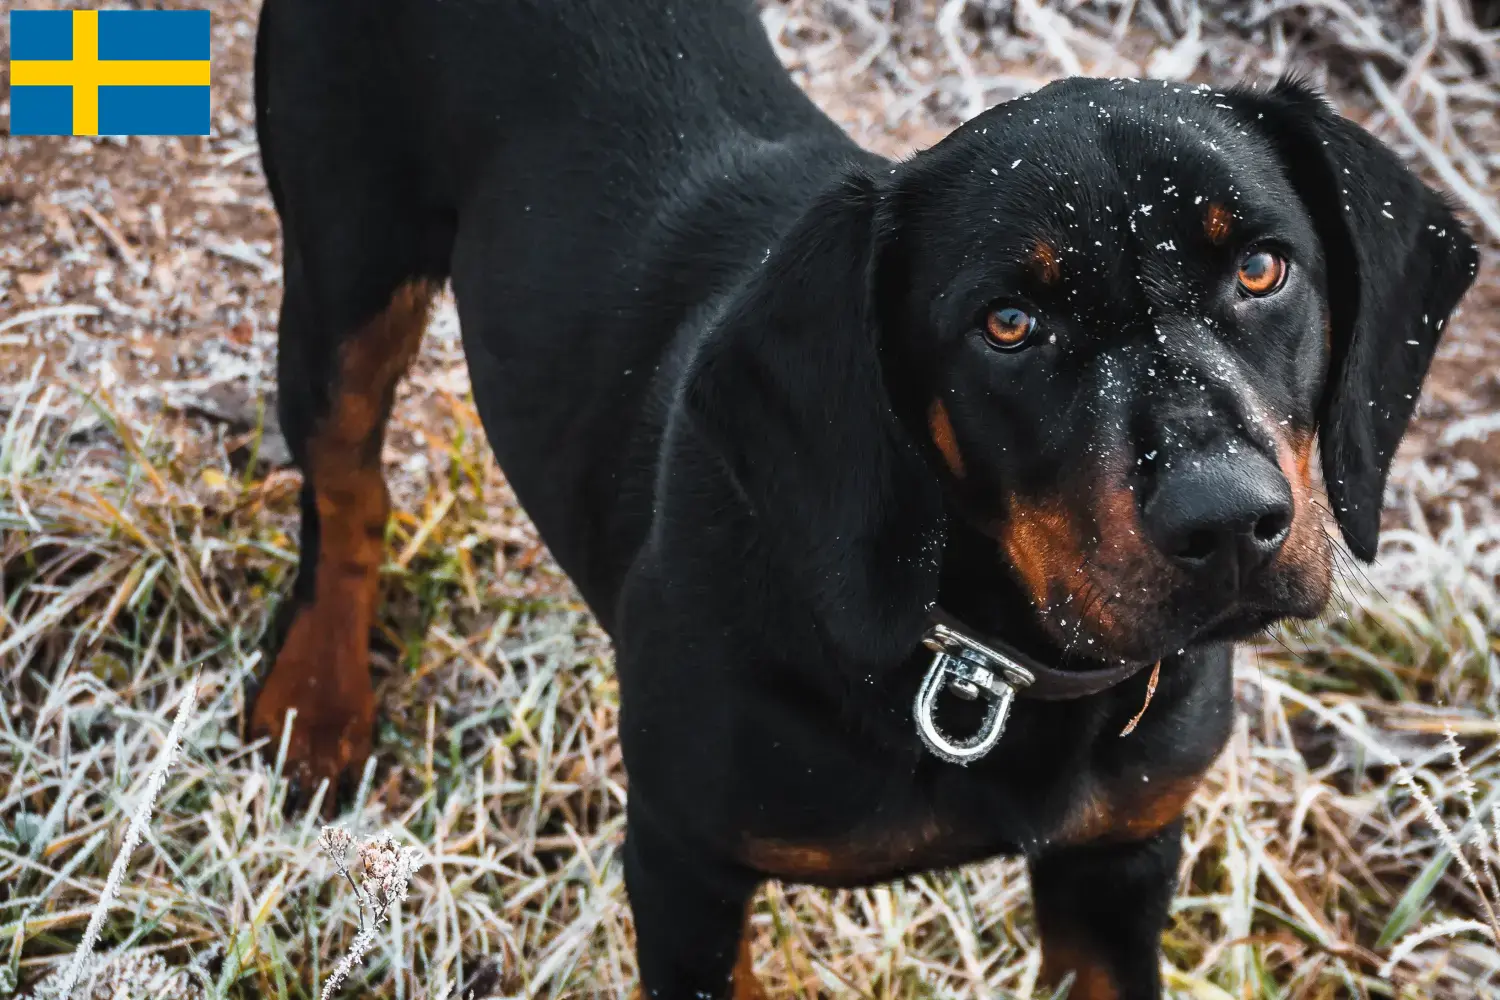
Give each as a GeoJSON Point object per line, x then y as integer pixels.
{"type": "Point", "coordinates": [111, 72]}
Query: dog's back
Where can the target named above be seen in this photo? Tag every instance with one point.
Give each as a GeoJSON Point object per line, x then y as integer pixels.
{"type": "Point", "coordinates": [584, 171]}
{"type": "Point", "coordinates": [592, 176]}
{"type": "Point", "coordinates": [460, 84]}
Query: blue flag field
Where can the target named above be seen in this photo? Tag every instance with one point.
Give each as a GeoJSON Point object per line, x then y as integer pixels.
{"type": "Point", "coordinates": [111, 72]}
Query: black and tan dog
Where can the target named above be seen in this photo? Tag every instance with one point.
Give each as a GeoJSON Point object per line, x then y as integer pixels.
{"type": "Point", "coordinates": [774, 402]}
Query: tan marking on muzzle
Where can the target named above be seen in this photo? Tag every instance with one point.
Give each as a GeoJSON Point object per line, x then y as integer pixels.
{"type": "Point", "coordinates": [1306, 549]}
{"type": "Point", "coordinates": [1041, 541]}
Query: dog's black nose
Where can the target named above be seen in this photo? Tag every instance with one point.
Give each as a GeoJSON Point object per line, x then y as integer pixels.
{"type": "Point", "coordinates": [1223, 515]}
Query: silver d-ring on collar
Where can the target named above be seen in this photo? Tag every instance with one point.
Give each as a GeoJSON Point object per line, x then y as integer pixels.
{"type": "Point", "coordinates": [970, 670]}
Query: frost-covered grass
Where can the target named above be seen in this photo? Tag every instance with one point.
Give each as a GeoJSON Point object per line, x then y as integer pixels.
{"type": "Point", "coordinates": [1335, 834]}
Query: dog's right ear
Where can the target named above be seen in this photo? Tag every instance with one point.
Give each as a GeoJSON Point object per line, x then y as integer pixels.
{"type": "Point", "coordinates": [790, 392]}
{"type": "Point", "coordinates": [1398, 262]}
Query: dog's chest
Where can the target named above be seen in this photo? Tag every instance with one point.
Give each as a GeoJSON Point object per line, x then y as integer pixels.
{"type": "Point", "coordinates": [951, 833]}
{"type": "Point", "coordinates": [1064, 777]}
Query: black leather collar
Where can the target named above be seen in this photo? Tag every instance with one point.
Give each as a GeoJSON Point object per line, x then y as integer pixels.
{"type": "Point", "coordinates": [1048, 683]}
{"type": "Point", "coordinates": [970, 664]}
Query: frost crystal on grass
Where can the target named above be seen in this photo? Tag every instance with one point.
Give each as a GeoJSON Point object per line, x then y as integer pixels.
{"type": "Point", "coordinates": [138, 821]}
{"type": "Point", "coordinates": [124, 977]}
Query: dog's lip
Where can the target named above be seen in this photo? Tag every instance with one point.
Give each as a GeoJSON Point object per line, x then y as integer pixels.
{"type": "Point", "coordinates": [1238, 622]}
{"type": "Point", "coordinates": [1039, 639]}
{"type": "Point", "coordinates": [1246, 622]}
{"type": "Point", "coordinates": [1235, 622]}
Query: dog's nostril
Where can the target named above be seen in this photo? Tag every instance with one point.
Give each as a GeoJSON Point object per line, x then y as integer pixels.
{"type": "Point", "coordinates": [1271, 527]}
{"type": "Point", "coordinates": [1198, 546]}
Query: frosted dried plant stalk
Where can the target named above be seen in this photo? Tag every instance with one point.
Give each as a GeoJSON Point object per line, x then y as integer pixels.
{"type": "Point", "coordinates": [356, 953]}
{"type": "Point", "coordinates": [335, 841]}
{"type": "Point", "coordinates": [386, 869]}
{"type": "Point", "coordinates": [1481, 836]}
{"type": "Point", "coordinates": [1449, 840]}
{"type": "Point", "coordinates": [1484, 889]}
{"type": "Point", "coordinates": [138, 821]}
{"type": "Point", "coordinates": [1447, 928]}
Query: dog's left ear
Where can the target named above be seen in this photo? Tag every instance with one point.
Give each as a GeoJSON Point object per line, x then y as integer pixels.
{"type": "Point", "coordinates": [1397, 262]}
{"type": "Point", "coordinates": [789, 392]}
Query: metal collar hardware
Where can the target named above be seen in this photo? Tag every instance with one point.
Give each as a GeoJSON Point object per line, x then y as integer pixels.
{"type": "Point", "coordinates": [969, 670]}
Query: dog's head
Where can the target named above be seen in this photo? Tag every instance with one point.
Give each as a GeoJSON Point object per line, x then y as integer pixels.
{"type": "Point", "coordinates": [1102, 326]}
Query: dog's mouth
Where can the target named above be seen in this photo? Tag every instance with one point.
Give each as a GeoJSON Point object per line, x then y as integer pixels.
{"type": "Point", "coordinates": [1090, 614]}
{"type": "Point", "coordinates": [1242, 626]}
{"type": "Point", "coordinates": [1072, 642]}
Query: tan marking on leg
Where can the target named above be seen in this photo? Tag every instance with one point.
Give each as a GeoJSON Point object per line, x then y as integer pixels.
{"type": "Point", "coordinates": [1149, 814]}
{"type": "Point", "coordinates": [942, 436]}
{"type": "Point", "coordinates": [1092, 977]}
{"type": "Point", "coordinates": [746, 986]}
{"type": "Point", "coordinates": [1087, 821]}
{"type": "Point", "coordinates": [792, 861]}
{"type": "Point", "coordinates": [322, 670]}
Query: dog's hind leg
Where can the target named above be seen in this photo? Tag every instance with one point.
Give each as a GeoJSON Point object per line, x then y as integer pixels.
{"type": "Point", "coordinates": [338, 380]}
{"type": "Point", "coordinates": [367, 236]}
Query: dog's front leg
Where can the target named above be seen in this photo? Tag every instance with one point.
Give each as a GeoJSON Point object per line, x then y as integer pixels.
{"type": "Point", "coordinates": [689, 920]}
{"type": "Point", "coordinates": [1102, 908]}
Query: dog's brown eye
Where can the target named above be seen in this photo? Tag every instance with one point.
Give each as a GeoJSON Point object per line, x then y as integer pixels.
{"type": "Point", "coordinates": [1009, 327]}
{"type": "Point", "coordinates": [1262, 272]}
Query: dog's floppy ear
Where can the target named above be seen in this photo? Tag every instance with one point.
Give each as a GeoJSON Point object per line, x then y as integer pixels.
{"type": "Point", "coordinates": [1397, 262]}
{"type": "Point", "coordinates": [790, 393]}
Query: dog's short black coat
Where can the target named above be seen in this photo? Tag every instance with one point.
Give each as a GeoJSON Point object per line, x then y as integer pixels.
{"type": "Point", "coordinates": [737, 370]}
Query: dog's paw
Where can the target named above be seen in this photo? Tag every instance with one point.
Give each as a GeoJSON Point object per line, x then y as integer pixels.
{"type": "Point", "coordinates": [334, 703]}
